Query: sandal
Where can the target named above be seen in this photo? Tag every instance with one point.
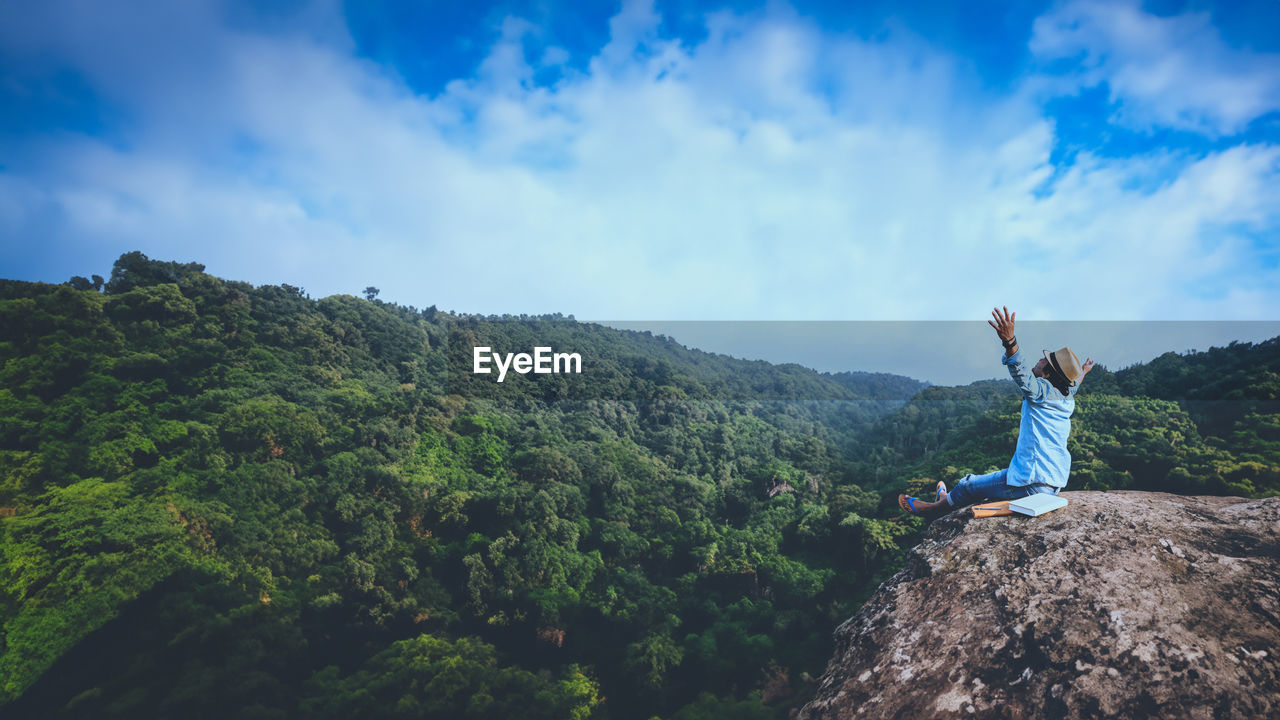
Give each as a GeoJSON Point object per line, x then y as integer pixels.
{"type": "Point", "coordinates": [908, 506]}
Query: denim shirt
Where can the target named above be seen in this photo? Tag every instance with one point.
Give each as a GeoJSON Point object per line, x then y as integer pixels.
{"type": "Point", "coordinates": [1041, 457]}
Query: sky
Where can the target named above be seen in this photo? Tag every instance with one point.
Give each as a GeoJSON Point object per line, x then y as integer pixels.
{"type": "Point", "coordinates": [660, 161]}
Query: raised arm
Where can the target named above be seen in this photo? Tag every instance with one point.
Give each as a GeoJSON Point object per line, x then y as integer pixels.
{"type": "Point", "coordinates": [1030, 387]}
{"type": "Point", "coordinates": [1004, 330]}
{"type": "Point", "coordinates": [1085, 368]}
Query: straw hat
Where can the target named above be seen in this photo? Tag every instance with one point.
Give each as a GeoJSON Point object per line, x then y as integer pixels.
{"type": "Point", "coordinates": [1065, 362]}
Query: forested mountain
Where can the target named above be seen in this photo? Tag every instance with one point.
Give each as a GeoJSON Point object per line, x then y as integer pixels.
{"type": "Point", "coordinates": [225, 500]}
{"type": "Point", "coordinates": [1196, 423]}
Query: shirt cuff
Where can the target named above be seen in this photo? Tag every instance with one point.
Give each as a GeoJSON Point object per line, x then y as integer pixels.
{"type": "Point", "coordinates": [1011, 359]}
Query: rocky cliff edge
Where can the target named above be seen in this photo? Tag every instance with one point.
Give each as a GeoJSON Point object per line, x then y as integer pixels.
{"type": "Point", "coordinates": [1122, 604]}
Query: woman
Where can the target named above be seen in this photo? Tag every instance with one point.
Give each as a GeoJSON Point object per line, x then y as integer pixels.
{"type": "Point", "coordinates": [1041, 463]}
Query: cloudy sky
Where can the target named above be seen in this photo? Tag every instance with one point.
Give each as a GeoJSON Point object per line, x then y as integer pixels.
{"type": "Point", "coordinates": [659, 160]}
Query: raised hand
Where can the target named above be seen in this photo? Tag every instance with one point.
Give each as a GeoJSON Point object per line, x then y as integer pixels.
{"type": "Point", "coordinates": [1088, 365]}
{"type": "Point", "coordinates": [1003, 324]}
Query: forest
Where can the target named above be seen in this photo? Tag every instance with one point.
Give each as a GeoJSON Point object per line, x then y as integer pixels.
{"type": "Point", "coordinates": [224, 500]}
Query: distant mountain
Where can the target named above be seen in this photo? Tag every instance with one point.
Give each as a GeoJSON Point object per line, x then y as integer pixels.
{"type": "Point", "coordinates": [1205, 422]}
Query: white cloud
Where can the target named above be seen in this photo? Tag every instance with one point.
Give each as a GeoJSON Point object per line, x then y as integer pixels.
{"type": "Point", "coordinates": [772, 171]}
{"type": "Point", "coordinates": [1163, 71]}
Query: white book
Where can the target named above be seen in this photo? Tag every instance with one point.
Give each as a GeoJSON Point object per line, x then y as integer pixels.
{"type": "Point", "coordinates": [1037, 504]}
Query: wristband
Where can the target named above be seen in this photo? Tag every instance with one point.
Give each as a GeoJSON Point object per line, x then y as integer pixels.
{"type": "Point", "coordinates": [1012, 341]}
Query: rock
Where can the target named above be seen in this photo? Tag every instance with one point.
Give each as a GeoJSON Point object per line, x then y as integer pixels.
{"type": "Point", "coordinates": [1122, 604]}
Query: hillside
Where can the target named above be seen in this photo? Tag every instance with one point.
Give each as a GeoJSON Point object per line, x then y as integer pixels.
{"type": "Point", "coordinates": [1204, 423]}
{"type": "Point", "coordinates": [226, 499]}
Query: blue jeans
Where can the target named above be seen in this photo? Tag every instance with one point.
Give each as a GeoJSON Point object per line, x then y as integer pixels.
{"type": "Point", "coordinates": [976, 488]}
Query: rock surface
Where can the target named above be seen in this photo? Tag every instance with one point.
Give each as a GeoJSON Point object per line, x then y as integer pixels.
{"type": "Point", "coordinates": [1122, 604]}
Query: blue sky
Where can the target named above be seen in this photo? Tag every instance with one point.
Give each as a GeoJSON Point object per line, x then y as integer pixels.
{"type": "Point", "coordinates": [660, 160]}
